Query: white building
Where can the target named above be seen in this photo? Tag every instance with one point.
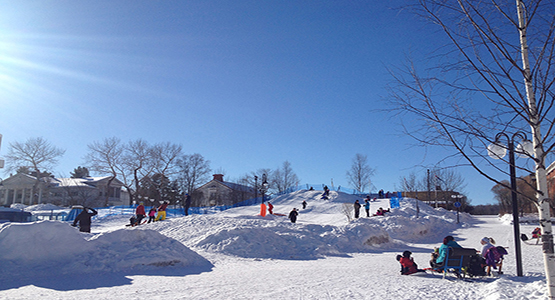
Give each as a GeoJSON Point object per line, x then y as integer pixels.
{"type": "Point", "coordinates": [89, 191]}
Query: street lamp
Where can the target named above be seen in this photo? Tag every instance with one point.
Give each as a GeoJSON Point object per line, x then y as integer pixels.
{"type": "Point", "coordinates": [498, 151]}
{"type": "Point", "coordinates": [264, 186]}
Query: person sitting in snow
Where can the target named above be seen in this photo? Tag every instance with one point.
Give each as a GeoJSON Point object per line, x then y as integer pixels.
{"type": "Point", "coordinates": [381, 212]}
{"type": "Point", "coordinates": [293, 215]}
{"type": "Point", "coordinates": [408, 266]}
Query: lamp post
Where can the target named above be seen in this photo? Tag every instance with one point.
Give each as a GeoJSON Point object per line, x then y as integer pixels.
{"type": "Point", "coordinates": [255, 188]}
{"type": "Point", "coordinates": [498, 151]}
{"type": "Point", "coordinates": [264, 186]}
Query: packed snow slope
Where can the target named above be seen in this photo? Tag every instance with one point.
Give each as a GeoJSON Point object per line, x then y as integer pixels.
{"type": "Point", "coordinates": [237, 254]}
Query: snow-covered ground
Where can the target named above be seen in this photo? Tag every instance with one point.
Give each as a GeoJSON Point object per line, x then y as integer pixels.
{"type": "Point", "coordinates": [238, 254]}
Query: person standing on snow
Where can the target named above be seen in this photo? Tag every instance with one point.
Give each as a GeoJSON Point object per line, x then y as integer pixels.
{"type": "Point", "coordinates": [140, 212]}
{"type": "Point", "coordinates": [161, 216]}
{"type": "Point", "coordinates": [187, 204]}
{"type": "Point", "coordinates": [304, 204]}
{"type": "Point", "coordinates": [151, 214]}
{"type": "Point", "coordinates": [357, 209]}
{"type": "Point", "coordinates": [270, 208]}
{"type": "Point", "coordinates": [367, 206]}
{"type": "Point", "coordinates": [293, 215]}
{"type": "Point", "coordinates": [84, 219]}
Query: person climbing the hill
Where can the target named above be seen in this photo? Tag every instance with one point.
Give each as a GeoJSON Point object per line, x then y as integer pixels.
{"type": "Point", "coordinates": [151, 214]}
{"type": "Point", "coordinates": [326, 192]}
{"type": "Point", "coordinates": [293, 215]}
{"type": "Point", "coordinates": [161, 216]}
{"type": "Point", "coordinates": [357, 206]}
{"type": "Point", "coordinates": [84, 219]}
{"type": "Point", "coordinates": [140, 213]}
{"type": "Point", "coordinates": [304, 204]}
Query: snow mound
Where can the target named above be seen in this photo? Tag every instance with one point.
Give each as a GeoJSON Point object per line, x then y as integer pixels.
{"type": "Point", "coordinates": [39, 207]}
{"type": "Point", "coordinates": [55, 247]}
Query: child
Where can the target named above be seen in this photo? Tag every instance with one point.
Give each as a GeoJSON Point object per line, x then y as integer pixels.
{"type": "Point", "coordinates": [408, 266]}
{"type": "Point", "coordinates": [536, 234]}
{"type": "Point", "coordinates": [151, 214]}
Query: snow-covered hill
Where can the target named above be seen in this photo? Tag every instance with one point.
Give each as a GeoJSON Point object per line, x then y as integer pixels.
{"type": "Point", "coordinates": [194, 257]}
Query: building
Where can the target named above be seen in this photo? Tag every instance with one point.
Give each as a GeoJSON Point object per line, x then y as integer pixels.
{"type": "Point", "coordinates": [445, 199]}
{"type": "Point", "coordinates": [90, 191]}
{"type": "Point", "coordinates": [218, 192]}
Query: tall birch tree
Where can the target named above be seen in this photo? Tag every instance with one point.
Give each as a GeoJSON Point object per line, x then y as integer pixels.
{"type": "Point", "coordinates": [494, 79]}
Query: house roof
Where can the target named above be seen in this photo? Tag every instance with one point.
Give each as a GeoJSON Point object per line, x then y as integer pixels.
{"type": "Point", "coordinates": [550, 168]}
{"type": "Point", "coordinates": [21, 178]}
{"type": "Point", "coordinates": [230, 185]}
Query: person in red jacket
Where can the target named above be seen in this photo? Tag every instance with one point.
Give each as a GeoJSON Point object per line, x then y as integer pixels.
{"type": "Point", "coordinates": [408, 266]}
{"type": "Point", "coordinates": [270, 208]}
{"type": "Point", "coordinates": [140, 212]}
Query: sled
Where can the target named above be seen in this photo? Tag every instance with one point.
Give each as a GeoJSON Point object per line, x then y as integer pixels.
{"type": "Point", "coordinates": [263, 210]}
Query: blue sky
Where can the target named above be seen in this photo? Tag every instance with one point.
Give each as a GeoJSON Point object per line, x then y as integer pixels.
{"type": "Point", "coordinates": [247, 84]}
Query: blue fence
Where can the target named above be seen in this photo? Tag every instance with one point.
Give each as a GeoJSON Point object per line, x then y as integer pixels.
{"type": "Point", "coordinates": [177, 211]}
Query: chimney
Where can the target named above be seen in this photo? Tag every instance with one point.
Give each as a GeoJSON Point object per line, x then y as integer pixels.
{"type": "Point", "coordinates": [219, 177]}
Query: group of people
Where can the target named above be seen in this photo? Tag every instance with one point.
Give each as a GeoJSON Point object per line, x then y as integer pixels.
{"type": "Point", "coordinates": [357, 206]}
{"type": "Point", "coordinates": [490, 256]}
{"type": "Point", "coordinates": [154, 214]}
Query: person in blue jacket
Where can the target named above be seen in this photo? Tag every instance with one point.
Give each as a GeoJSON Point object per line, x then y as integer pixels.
{"type": "Point", "coordinates": [367, 206]}
{"type": "Point", "coordinates": [448, 241]}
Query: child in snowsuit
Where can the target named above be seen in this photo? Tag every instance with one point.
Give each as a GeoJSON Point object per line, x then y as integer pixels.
{"type": "Point", "coordinates": [536, 234]}
{"type": "Point", "coordinates": [408, 266]}
{"type": "Point", "coordinates": [151, 214]}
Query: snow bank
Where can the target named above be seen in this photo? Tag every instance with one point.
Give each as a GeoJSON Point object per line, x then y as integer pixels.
{"type": "Point", "coordinates": [56, 247]}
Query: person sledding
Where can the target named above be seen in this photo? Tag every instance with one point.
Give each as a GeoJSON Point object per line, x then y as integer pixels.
{"type": "Point", "coordinates": [408, 266]}
{"type": "Point", "coordinates": [326, 193]}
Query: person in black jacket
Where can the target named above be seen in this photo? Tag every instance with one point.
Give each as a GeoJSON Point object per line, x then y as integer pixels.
{"type": "Point", "coordinates": [357, 209]}
{"type": "Point", "coordinates": [293, 215]}
{"type": "Point", "coordinates": [187, 204]}
{"type": "Point", "coordinates": [84, 219]}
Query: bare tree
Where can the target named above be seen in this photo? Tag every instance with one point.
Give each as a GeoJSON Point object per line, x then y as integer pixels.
{"type": "Point", "coordinates": [284, 177]}
{"type": "Point", "coordinates": [411, 183]}
{"type": "Point", "coordinates": [36, 154]}
{"type": "Point", "coordinates": [193, 170]}
{"type": "Point", "coordinates": [166, 156]}
{"type": "Point", "coordinates": [138, 161]}
{"type": "Point", "coordinates": [360, 173]}
{"type": "Point", "coordinates": [106, 157]}
{"type": "Point", "coordinates": [494, 83]}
